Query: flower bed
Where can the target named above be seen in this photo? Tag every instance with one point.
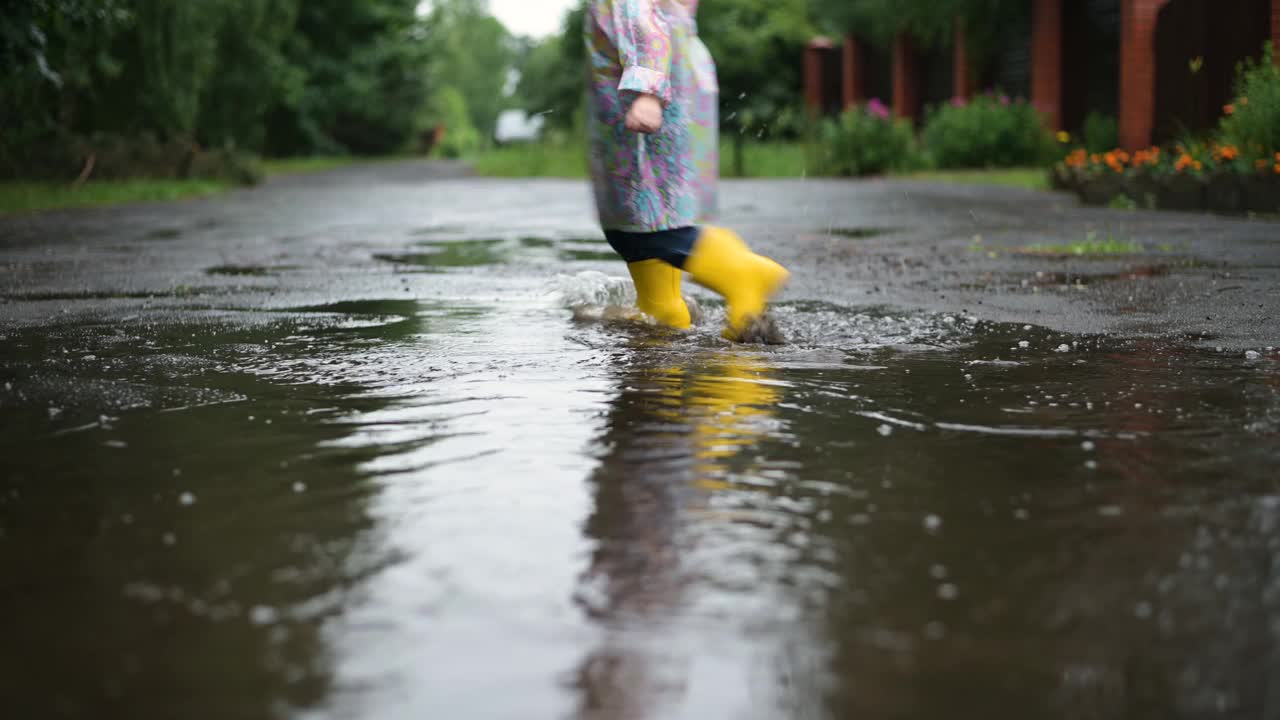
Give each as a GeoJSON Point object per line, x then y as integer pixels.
{"type": "Point", "coordinates": [1213, 179]}
{"type": "Point", "coordinates": [1238, 172]}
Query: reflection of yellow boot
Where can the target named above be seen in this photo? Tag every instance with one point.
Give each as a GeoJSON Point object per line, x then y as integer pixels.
{"type": "Point", "coordinates": [722, 262]}
{"type": "Point", "coordinates": [658, 292]}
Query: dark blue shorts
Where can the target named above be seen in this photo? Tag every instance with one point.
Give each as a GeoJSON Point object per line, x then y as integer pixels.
{"type": "Point", "coordinates": [670, 246]}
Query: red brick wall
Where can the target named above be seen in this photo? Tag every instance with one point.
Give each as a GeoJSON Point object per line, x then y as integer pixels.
{"type": "Point", "coordinates": [853, 79]}
{"type": "Point", "coordinates": [906, 81]}
{"type": "Point", "coordinates": [1046, 59]}
{"type": "Point", "coordinates": [813, 75]}
{"type": "Point", "coordinates": [1275, 28]}
{"type": "Point", "coordinates": [962, 80]}
{"type": "Point", "coordinates": [1138, 70]}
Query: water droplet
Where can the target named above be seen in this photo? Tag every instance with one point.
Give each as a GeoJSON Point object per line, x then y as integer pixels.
{"type": "Point", "coordinates": [169, 539]}
{"type": "Point", "coordinates": [1142, 610]}
{"type": "Point", "coordinates": [1024, 344]}
{"type": "Point", "coordinates": [948, 591]}
{"type": "Point", "coordinates": [187, 498]}
{"type": "Point", "coordinates": [1091, 464]}
{"type": "Point", "coordinates": [1252, 355]}
{"type": "Point", "coordinates": [263, 615]}
{"type": "Point", "coordinates": [1064, 348]}
{"type": "Point", "coordinates": [885, 430]}
{"type": "Point", "coordinates": [1088, 446]}
{"type": "Point", "coordinates": [938, 572]}
{"type": "Point", "coordinates": [299, 487]}
{"type": "Point", "coordinates": [932, 523]}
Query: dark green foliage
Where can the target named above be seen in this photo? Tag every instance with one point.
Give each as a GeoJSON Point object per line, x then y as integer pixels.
{"type": "Point", "coordinates": [758, 46]}
{"type": "Point", "coordinates": [1253, 124]}
{"type": "Point", "coordinates": [553, 73]}
{"type": "Point", "coordinates": [864, 141]}
{"type": "Point", "coordinates": [354, 79]}
{"type": "Point", "coordinates": [1101, 133]}
{"type": "Point", "coordinates": [85, 78]}
{"type": "Point", "coordinates": [987, 132]}
{"type": "Point", "coordinates": [472, 52]}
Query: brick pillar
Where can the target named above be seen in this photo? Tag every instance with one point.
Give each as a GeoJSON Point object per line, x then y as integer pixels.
{"type": "Point", "coordinates": [962, 76]}
{"type": "Point", "coordinates": [855, 85]}
{"type": "Point", "coordinates": [906, 85]}
{"type": "Point", "coordinates": [814, 71]}
{"type": "Point", "coordinates": [1138, 70]}
{"type": "Point", "coordinates": [1275, 29]}
{"type": "Point", "coordinates": [1046, 59]}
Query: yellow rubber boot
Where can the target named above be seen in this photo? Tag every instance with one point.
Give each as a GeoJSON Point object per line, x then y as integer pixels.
{"type": "Point", "coordinates": [658, 292]}
{"type": "Point", "coordinates": [722, 262]}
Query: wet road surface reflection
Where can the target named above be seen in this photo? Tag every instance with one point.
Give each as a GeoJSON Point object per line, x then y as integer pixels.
{"type": "Point", "coordinates": [455, 508]}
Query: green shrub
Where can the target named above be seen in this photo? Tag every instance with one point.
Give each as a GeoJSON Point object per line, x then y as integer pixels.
{"type": "Point", "coordinates": [987, 132]}
{"type": "Point", "coordinates": [864, 140]}
{"type": "Point", "coordinates": [1101, 133]}
{"type": "Point", "coordinates": [448, 107]}
{"type": "Point", "coordinates": [110, 156]}
{"type": "Point", "coordinates": [1252, 122]}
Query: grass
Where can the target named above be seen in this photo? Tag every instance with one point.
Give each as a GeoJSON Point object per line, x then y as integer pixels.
{"type": "Point", "coordinates": [27, 196]}
{"type": "Point", "coordinates": [22, 196]}
{"type": "Point", "coordinates": [546, 160]}
{"type": "Point", "coordinates": [760, 160]}
{"type": "Point", "coordinates": [1029, 178]}
{"type": "Point", "coordinates": [1090, 246]}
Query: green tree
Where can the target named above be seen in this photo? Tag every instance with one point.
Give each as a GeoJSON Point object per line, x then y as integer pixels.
{"type": "Point", "coordinates": [472, 51]}
{"type": "Point", "coordinates": [759, 50]}
{"type": "Point", "coordinates": [252, 72]}
{"type": "Point", "coordinates": [553, 73]}
{"type": "Point", "coordinates": [930, 22]}
{"type": "Point", "coordinates": [362, 78]}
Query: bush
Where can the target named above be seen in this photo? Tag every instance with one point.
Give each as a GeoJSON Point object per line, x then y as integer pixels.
{"type": "Point", "coordinates": [1101, 133]}
{"type": "Point", "coordinates": [865, 140]}
{"type": "Point", "coordinates": [109, 156]}
{"type": "Point", "coordinates": [1252, 122]}
{"type": "Point", "coordinates": [448, 108]}
{"type": "Point", "coordinates": [987, 132]}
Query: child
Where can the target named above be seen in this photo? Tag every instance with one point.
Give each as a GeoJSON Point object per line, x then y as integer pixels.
{"type": "Point", "coordinates": [653, 128]}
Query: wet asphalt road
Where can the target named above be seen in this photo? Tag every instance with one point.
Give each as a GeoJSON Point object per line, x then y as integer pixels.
{"type": "Point", "coordinates": [937, 248]}
{"type": "Point", "coordinates": [374, 443]}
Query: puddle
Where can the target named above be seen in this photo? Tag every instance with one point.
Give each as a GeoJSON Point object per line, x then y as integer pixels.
{"type": "Point", "coordinates": [346, 507]}
{"type": "Point", "coordinates": [577, 255]}
{"type": "Point", "coordinates": [859, 233]}
{"type": "Point", "coordinates": [164, 234]}
{"type": "Point", "coordinates": [453, 253]}
{"type": "Point", "coordinates": [243, 270]}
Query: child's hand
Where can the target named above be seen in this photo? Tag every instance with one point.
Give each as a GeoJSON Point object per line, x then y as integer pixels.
{"type": "Point", "coordinates": [645, 115]}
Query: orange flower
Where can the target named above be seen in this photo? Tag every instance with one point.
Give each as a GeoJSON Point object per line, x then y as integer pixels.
{"type": "Point", "coordinates": [1277, 168]}
{"type": "Point", "coordinates": [1197, 165]}
{"type": "Point", "coordinates": [1227, 153]}
{"type": "Point", "coordinates": [1229, 109]}
{"type": "Point", "coordinates": [1260, 164]}
{"type": "Point", "coordinates": [1183, 163]}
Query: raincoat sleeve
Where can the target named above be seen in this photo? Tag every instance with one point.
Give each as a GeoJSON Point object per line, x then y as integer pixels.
{"type": "Point", "coordinates": [642, 35]}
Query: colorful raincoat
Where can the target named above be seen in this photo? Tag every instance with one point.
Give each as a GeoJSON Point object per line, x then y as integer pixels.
{"type": "Point", "coordinates": [665, 180]}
